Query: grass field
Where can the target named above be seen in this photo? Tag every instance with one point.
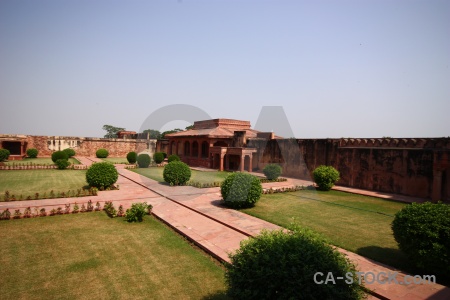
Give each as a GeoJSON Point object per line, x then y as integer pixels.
{"type": "Point", "coordinates": [156, 173]}
{"type": "Point", "coordinates": [357, 223]}
{"type": "Point", "coordinates": [116, 160]}
{"type": "Point", "coordinates": [29, 182]}
{"type": "Point", "coordinates": [38, 160]}
{"type": "Point", "coordinates": [90, 256]}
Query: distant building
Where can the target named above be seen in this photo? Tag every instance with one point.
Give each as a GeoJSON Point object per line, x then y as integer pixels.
{"type": "Point", "coordinates": [217, 143]}
{"type": "Point", "coordinates": [126, 134]}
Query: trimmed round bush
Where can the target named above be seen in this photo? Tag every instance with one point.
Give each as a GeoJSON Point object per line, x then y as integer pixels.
{"type": "Point", "coordinates": [102, 153]}
{"type": "Point", "coordinates": [325, 177]}
{"type": "Point", "coordinates": [164, 154]}
{"type": "Point", "coordinates": [62, 163]}
{"type": "Point", "coordinates": [101, 175]}
{"type": "Point", "coordinates": [70, 152]}
{"type": "Point", "coordinates": [59, 155]}
{"type": "Point", "coordinates": [272, 171]}
{"type": "Point", "coordinates": [284, 265]}
{"type": "Point", "coordinates": [4, 154]}
{"type": "Point", "coordinates": [32, 152]}
{"type": "Point", "coordinates": [422, 231]}
{"type": "Point", "coordinates": [143, 160]}
{"type": "Point", "coordinates": [132, 157]}
{"type": "Point", "coordinates": [158, 157]}
{"type": "Point", "coordinates": [176, 173]}
{"type": "Point", "coordinates": [173, 157]}
{"type": "Point", "coordinates": [241, 190]}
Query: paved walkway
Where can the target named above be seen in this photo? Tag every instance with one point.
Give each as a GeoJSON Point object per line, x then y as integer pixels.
{"type": "Point", "coordinates": [198, 215]}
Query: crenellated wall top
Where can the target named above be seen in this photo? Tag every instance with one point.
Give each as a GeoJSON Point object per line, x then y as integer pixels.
{"type": "Point", "coordinates": [419, 143]}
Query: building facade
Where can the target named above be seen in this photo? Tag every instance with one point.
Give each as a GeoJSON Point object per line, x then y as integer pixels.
{"type": "Point", "coordinates": [218, 143]}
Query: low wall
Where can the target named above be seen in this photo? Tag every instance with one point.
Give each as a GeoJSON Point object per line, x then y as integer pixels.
{"type": "Point", "coordinates": [413, 167]}
{"type": "Point", "coordinates": [83, 146]}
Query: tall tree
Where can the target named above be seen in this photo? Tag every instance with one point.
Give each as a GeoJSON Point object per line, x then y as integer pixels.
{"type": "Point", "coordinates": [170, 131]}
{"type": "Point", "coordinates": [154, 134]}
{"type": "Point", "coordinates": [111, 131]}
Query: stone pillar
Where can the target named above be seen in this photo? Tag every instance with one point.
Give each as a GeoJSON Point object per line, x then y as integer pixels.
{"type": "Point", "coordinates": [437, 186]}
{"type": "Point", "coordinates": [222, 156]}
{"type": "Point", "coordinates": [22, 148]}
{"type": "Point", "coordinates": [250, 163]}
{"type": "Point", "coordinates": [241, 167]}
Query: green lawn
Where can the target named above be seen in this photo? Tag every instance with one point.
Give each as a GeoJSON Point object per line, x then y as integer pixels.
{"type": "Point", "coordinates": [38, 160]}
{"type": "Point", "coordinates": [90, 256]}
{"type": "Point", "coordinates": [116, 160]}
{"type": "Point", "coordinates": [357, 223]}
{"type": "Point", "coordinates": [156, 173]}
{"type": "Point", "coordinates": [29, 182]}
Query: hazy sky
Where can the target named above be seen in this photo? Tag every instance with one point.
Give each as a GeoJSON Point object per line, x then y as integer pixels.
{"type": "Point", "coordinates": [338, 68]}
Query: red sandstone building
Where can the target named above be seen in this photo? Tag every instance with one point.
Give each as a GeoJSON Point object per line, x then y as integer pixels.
{"type": "Point", "coordinates": [218, 144]}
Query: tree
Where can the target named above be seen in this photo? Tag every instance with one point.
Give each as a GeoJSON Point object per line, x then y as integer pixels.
{"type": "Point", "coordinates": [153, 134]}
{"type": "Point", "coordinates": [189, 127]}
{"type": "Point", "coordinates": [111, 131]}
{"type": "Point", "coordinates": [170, 131]}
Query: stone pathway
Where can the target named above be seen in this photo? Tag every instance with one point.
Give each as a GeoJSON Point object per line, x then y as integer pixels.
{"type": "Point", "coordinates": [198, 215]}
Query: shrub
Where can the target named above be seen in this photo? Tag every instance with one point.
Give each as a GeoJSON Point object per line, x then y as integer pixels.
{"type": "Point", "coordinates": [240, 190]}
{"type": "Point", "coordinates": [131, 157]}
{"type": "Point", "coordinates": [422, 231]}
{"type": "Point", "coordinates": [158, 157]}
{"type": "Point", "coordinates": [4, 154]}
{"type": "Point", "coordinates": [272, 171]}
{"type": "Point", "coordinates": [62, 163]}
{"type": "Point", "coordinates": [281, 265]}
{"type": "Point", "coordinates": [59, 155]}
{"type": "Point", "coordinates": [32, 152]}
{"type": "Point", "coordinates": [325, 177]}
{"type": "Point", "coordinates": [70, 152]}
{"type": "Point", "coordinates": [101, 175]}
{"type": "Point", "coordinates": [102, 153]}
{"type": "Point", "coordinates": [176, 173]}
{"type": "Point", "coordinates": [173, 157]}
{"type": "Point", "coordinates": [5, 215]}
{"type": "Point", "coordinates": [164, 154]}
{"type": "Point", "coordinates": [110, 209]}
{"type": "Point", "coordinates": [143, 160]}
{"type": "Point", "coordinates": [136, 212]}
{"type": "Point", "coordinates": [120, 212]}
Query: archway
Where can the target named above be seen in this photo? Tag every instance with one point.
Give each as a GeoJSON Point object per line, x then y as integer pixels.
{"type": "Point", "coordinates": [187, 148]}
{"type": "Point", "coordinates": [205, 149]}
{"type": "Point", "coordinates": [173, 148]}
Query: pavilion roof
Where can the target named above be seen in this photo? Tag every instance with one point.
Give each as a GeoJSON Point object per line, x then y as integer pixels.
{"type": "Point", "coordinates": [216, 132]}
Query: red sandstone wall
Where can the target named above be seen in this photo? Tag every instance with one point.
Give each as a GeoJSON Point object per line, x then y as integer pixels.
{"type": "Point", "coordinates": [85, 146]}
{"type": "Point", "coordinates": [411, 167]}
